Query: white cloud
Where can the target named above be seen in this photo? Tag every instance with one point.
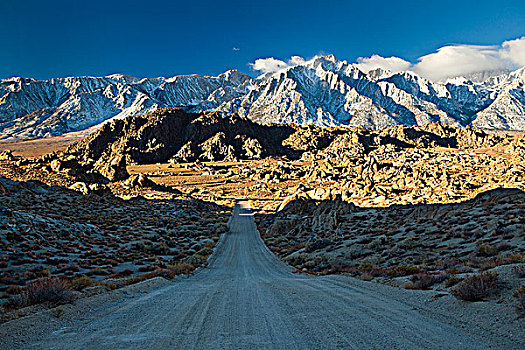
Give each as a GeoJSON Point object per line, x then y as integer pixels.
{"type": "Point", "coordinates": [296, 60]}
{"type": "Point", "coordinates": [455, 60]}
{"type": "Point", "coordinates": [446, 62]}
{"type": "Point", "coordinates": [267, 65]}
{"type": "Point", "coordinates": [514, 50]}
{"type": "Point", "coordinates": [270, 64]}
{"type": "Point", "coordinates": [393, 64]}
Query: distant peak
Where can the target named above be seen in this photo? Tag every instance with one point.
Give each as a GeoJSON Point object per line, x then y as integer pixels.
{"type": "Point", "coordinates": [232, 73]}
{"type": "Point", "coordinates": [118, 76]}
{"type": "Point", "coordinates": [331, 57]}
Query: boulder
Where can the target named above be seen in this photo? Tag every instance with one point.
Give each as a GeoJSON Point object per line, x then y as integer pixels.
{"type": "Point", "coordinates": [139, 180]}
{"type": "Point", "coordinates": [7, 155]}
{"type": "Point", "coordinates": [80, 187]}
{"type": "Point", "coordinates": [115, 169]}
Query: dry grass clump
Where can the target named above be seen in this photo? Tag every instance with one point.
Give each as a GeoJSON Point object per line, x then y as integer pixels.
{"type": "Point", "coordinates": [477, 287]}
{"type": "Point", "coordinates": [50, 291]}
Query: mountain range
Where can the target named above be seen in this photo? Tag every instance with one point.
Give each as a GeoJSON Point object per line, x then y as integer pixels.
{"type": "Point", "coordinates": [323, 91]}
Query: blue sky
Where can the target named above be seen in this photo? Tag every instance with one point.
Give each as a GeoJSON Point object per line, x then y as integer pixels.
{"type": "Point", "coordinates": [43, 39]}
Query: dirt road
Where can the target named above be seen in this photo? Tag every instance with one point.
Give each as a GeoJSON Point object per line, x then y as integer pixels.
{"type": "Point", "coordinates": [248, 299]}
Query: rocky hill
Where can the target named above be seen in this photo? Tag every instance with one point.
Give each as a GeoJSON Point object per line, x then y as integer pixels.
{"type": "Point", "coordinates": [324, 91]}
{"type": "Point", "coordinates": [334, 154]}
{"type": "Point", "coordinates": [176, 136]}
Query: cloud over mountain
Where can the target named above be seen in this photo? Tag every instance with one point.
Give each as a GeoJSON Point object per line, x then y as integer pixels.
{"type": "Point", "coordinates": [455, 60]}
{"type": "Point", "coordinates": [447, 61]}
{"type": "Point", "coordinates": [394, 64]}
{"type": "Point", "coordinates": [270, 64]}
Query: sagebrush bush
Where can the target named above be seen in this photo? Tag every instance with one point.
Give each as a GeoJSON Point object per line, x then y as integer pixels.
{"type": "Point", "coordinates": [404, 270]}
{"type": "Point", "coordinates": [51, 291]}
{"type": "Point", "coordinates": [181, 268]}
{"type": "Point", "coordinates": [486, 250]}
{"type": "Point", "coordinates": [79, 283]}
{"type": "Point", "coordinates": [520, 295]}
{"type": "Point", "coordinates": [166, 273]}
{"type": "Point", "coordinates": [476, 287]}
{"type": "Point", "coordinates": [205, 251]}
{"type": "Point", "coordinates": [452, 281]}
{"type": "Point", "coordinates": [195, 260]}
{"type": "Point", "coordinates": [424, 280]}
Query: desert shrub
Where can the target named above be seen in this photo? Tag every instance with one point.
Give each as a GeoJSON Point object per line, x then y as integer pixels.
{"type": "Point", "coordinates": [425, 280]}
{"type": "Point", "coordinates": [452, 281]}
{"type": "Point", "coordinates": [519, 271]}
{"type": "Point", "coordinates": [520, 295]}
{"type": "Point", "coordinates": [404, 270]}
{"type": "Point", "coordinates": [166, 273]}
{"type": "Point", "coordinates": [476, 287]}
{"type": "Point", "coordinates": [146, 268]}
{"type": "Point", "coordinates": [422, 280]}
{"type": "Point", "coordinates": [516, 258]}
{"type": "Point", "coordinates": [124, 273]}
{"type": "Point", "coordinates": [297, 259]}
{"type": "Point", "coordinates": [44, 273]}
{"type": "Point", "coordinates": [520, 291]}
{"type": "Point", "coordinates": [486, 250]}
{"type": "Point", "coordinates": [221, 228]}
{"type": "Point", "coordinates": [51, 291]}
{"type": "Point", "coordinates": [317, 244]}
{"type": "Point", "coordinates": [99, 271]}
{"type": "Point", "coordinates": [366, 266]}
{"type": "Point", "coordinates": [158, 248]}
{"type": "Point", "coordinates": [503, 247]}
{"type": "Point", "coordinates": [206, 250]}
{"type": "Point", "coordinates": [181, 268]}
{"type": "Point", "coordinates": [195, 260]}
{"type": "Point", "coordinates": [366, 277]}
{"type": "Point", "coordinates": [379, 271]}
{"type": "Point", "coordinates": [80, 282]}
{"type": "Point", "coordinates": [13, 289]}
